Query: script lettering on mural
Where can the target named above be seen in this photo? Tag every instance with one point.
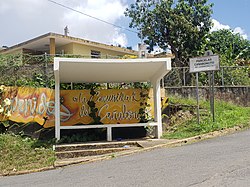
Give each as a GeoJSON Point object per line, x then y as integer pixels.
{"type": "Point", "coordinates": [34, 104]}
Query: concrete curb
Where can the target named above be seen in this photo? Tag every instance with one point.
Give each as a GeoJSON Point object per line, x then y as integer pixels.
{"type": "Point", "coordinates": [174, 143]}
{"type": "Point", "coordinates": [168, 144]}
{"type": "Point", "coordinates": [28, 171]}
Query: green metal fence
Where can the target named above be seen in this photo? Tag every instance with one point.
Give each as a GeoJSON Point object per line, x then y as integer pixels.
{"type": "Point", "coordinates": [227, 76]}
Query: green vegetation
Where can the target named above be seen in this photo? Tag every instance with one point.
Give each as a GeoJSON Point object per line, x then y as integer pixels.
{"type": "Point", "coordinates": [226, 115]}
{"type": "Point", "coordinates": [83, 135]}
{"type": "Point", "coordinates": [19, 153]}
{"type": "Point", "coordinates": [232, 46]}
{"type": "Point", "coordinates": [183, 25]}
{"type": "Point", "coordinates": [234, 51]}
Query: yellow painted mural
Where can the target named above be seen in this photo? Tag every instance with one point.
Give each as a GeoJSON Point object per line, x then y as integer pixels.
{"type": "Point", "coordinates": [112, 106]}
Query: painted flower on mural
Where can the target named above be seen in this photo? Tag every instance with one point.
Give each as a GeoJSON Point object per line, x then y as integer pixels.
{"type": "Point", "coordinates": [1, 109]}
{"type": "Point", "coordinates": [7, 102]}
{"type": "Point", "coordinates": [2, 87]}
{"type": "Point", "coordinates": [5, 109]}
{"type": "Point", "coordinates": [8, 114]}
{"type": "Point", "coordinates": [148, 116]}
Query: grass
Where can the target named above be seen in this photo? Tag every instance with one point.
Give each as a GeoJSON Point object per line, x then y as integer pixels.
{"type": "Point", "coordinates": [18, 153]}
{"type": "Point", "coordinates": [226, 115]}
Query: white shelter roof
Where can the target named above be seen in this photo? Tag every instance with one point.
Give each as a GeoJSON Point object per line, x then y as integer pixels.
{"type": "Point", "coordinates": [82, 70]}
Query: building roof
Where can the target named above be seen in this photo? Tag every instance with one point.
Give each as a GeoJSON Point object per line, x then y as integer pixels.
{"type": "Point", "coordinates": [41, 43]}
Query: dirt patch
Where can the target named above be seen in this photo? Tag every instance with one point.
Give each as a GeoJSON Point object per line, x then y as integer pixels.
{"type": "Point", "coordinates": [176, 114]}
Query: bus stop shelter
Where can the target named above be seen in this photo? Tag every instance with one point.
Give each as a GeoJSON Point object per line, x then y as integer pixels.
{"type": "Point", "coordinates": [82, 70]}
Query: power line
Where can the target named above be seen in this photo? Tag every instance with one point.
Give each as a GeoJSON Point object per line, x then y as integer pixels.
{"type": "Point", "coordinates": [67, 7]}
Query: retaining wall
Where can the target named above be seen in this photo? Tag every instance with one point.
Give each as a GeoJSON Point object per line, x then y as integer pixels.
{"type": "Point", "coordinates": [237, 94]}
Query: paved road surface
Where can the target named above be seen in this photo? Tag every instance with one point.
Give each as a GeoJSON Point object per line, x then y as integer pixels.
{"type": "Point", "coordinates": [223, 161]}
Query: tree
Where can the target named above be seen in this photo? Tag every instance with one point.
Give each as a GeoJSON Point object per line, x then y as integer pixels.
{"type": "Point", "coordinates": [234, 51]}
{"type": "Point", "coordinates": [231, 46]}
{"type": "Point", "coordinates": [179, 25]}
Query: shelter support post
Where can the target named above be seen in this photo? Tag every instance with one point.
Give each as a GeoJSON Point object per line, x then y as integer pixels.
{"type": "Point", "coordinates": [109, 134]}
{"type": "Point", "coordinates": [157, 107]}
{"type": "Point", "coordinates": [57, 101]}
{"type": "Point", "coordinates": [57, 111]}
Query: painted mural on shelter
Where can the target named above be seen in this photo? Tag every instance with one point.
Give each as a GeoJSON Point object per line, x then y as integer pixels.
{"type": "Point", "coordinates": [112, 106]}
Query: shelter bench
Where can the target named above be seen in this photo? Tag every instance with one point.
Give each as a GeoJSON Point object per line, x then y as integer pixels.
{"type": "Point", "coordinates": [110, 126]}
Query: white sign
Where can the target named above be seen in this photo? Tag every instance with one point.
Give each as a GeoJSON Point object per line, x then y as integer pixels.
{"type": "Point", "coordinates": [205, 63]}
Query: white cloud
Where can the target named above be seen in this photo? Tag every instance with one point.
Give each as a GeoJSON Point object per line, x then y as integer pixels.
{"type": "Point", "coordinates": [135, 47]}
{"type": "Point", "coordinates": [218, 26]}
{"type": "Point", "coordinates": [83, 26]}
{"type": "Point", "coordinates": [241, 32]}
{"type": "Point", "coordinates": [23, 20]}
{"type": "Point", "coordinates": [157, 50]}
{"type": "Point", "coordinates": [119, 38]}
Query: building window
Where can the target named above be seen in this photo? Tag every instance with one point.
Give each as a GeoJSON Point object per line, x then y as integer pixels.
{"type": "Point", "coordinates": [95, 54]}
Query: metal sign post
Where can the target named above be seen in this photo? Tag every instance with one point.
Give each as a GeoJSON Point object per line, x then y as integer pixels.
{"type": "Point", "coordinates": [211, 87]}
{"type": "Point", "coordinates": [212, 97]}
{"type": "Point", "coordinates": [208, 63]}
{"type": "Point", "coordinates": [197, 97]}
{"type": "Point", "coordinates": [211, 92]}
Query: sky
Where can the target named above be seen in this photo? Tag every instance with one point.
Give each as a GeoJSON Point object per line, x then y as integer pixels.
{"type": "Point", "coordinates": [22, 20]}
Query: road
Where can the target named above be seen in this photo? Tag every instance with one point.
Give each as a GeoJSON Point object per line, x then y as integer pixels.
{"type": "Point", "coordinates": [222, 161]}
